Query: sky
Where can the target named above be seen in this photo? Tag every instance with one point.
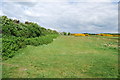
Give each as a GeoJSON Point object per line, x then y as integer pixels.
{"type": "Point", "coordinates": [75, 16]}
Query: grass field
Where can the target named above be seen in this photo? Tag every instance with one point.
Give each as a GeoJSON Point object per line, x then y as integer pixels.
{"type": "Point", "coordinates": [0, 57]}
{"type": "Point", "coordinates": [66, 57]}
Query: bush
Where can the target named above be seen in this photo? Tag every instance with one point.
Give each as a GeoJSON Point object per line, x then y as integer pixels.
{"type": "Point", "coordinates": [68, 33]}
{"type": "Point", "coordinates": [17, 35]}
{"type": "Point", "coordinates": [12, 44]}
{"type": "Point", "coordinates": [64, 33]}
{"type": "Point", "coordinates": [9, 46]}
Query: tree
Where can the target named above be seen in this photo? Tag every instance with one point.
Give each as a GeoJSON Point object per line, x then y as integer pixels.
{"type": "Point", "coordinates": [64, 33]}
{"type": "Point", "coordinates": [16, 21]}
{"type": "Point", "coordinates": [68, 33]}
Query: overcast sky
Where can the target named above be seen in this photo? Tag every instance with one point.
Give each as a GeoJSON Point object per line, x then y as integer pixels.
{"type": "Point", "coordinates": [77, 16]}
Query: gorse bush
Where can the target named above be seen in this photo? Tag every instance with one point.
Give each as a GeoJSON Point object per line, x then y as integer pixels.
{"type": "Point", "coordinates": [9, 46]}
{"type": "Point", "coordinates": [40, 40]}
{"type": "Point", "coordinates": [16, 35]}
{"type": "Point", "coordinates": [114, 35]}
{"type": "Point", "coordinates": [78, 34]}
{"type": "Point", "coordinates": [10, 27]}
{"type": "Point", "coordinates": [105, 34]}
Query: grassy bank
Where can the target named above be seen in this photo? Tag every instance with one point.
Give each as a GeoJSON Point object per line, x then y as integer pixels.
{"type": "Point", "coordinates": [66, 57]}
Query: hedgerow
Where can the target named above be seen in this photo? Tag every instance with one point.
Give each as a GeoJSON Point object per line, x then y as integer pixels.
{"type": "Point", "coordinates": [16, 35]}
{"type": "Point", "coordinates": [40, 40]}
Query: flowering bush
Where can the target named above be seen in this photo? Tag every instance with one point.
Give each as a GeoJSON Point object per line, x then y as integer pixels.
{"type": "Point", "coordinates": [104, 34]}
{"type": "Point", "coordinates": [79, 34]}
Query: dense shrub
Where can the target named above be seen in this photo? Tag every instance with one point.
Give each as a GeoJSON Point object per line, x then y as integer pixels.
{"type": "Point", "coordinates": [12, 44]}
{"type": "Point", "coordinates": [28, 30]}
{"type": "Point", "coordinates": [105, 34]}
{"type": "Point", "coordinates": [64, 33]}
{"type": "Point", "coordinates": [40, 40]}
{"type": "Point", "coordinates": [78, 34]}
{"type": "Point", "coordinates": [68, 33]}
{"type": "Point", "coordinates": [16, 35]}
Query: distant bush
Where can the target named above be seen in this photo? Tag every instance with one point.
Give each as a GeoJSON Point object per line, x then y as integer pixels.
{"type": "Point", "coordinates": [78, 34]}
{"type": "Point", "coordinates": [105, 34]}
{"type": "Point", "coordinates": [87, 35]}
{"type": "Point", "coordinates": [68, 33]}
{"type": "Point", "coordinates": [64, 33]}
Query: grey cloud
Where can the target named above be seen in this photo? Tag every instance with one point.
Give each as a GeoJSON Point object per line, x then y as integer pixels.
{"type": "Point", "coordinates": [29, 4]}
{"type": "Point", "coordinates": [70, 17]}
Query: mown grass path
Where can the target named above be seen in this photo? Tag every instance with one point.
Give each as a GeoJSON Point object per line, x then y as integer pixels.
{"type": "Point", "coordinates": [66, 57]}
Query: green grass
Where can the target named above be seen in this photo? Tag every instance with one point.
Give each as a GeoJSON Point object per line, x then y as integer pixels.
{"type": "Point", "coordinates": [0, 57]}
{"type": "Point", "coordinates": [66, 57]}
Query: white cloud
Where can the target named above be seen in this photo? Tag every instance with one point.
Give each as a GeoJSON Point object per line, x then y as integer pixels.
{"type": "Point", "coordinates": [61, 0]}
{"type": "Point", "coordinates": [67, 16]}
{"type": "Point", "coordinates": [1, 13]}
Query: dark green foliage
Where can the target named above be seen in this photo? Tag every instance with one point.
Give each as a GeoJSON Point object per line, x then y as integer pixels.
{"type": "Point", "coordinates": [20, 30]}
{"type": "Point", "coordinates": [64, 33]}
{"type": "Point", "coordinates": [68, 33]}
{"type": "Point", "coordinates": [9, 46]}
{"type": "Point", "coordinates": [40, 40]}
{"type": "Point", "coordinates": [17, 21]}
{"type": "Point", "coordinates": [16, 35]}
